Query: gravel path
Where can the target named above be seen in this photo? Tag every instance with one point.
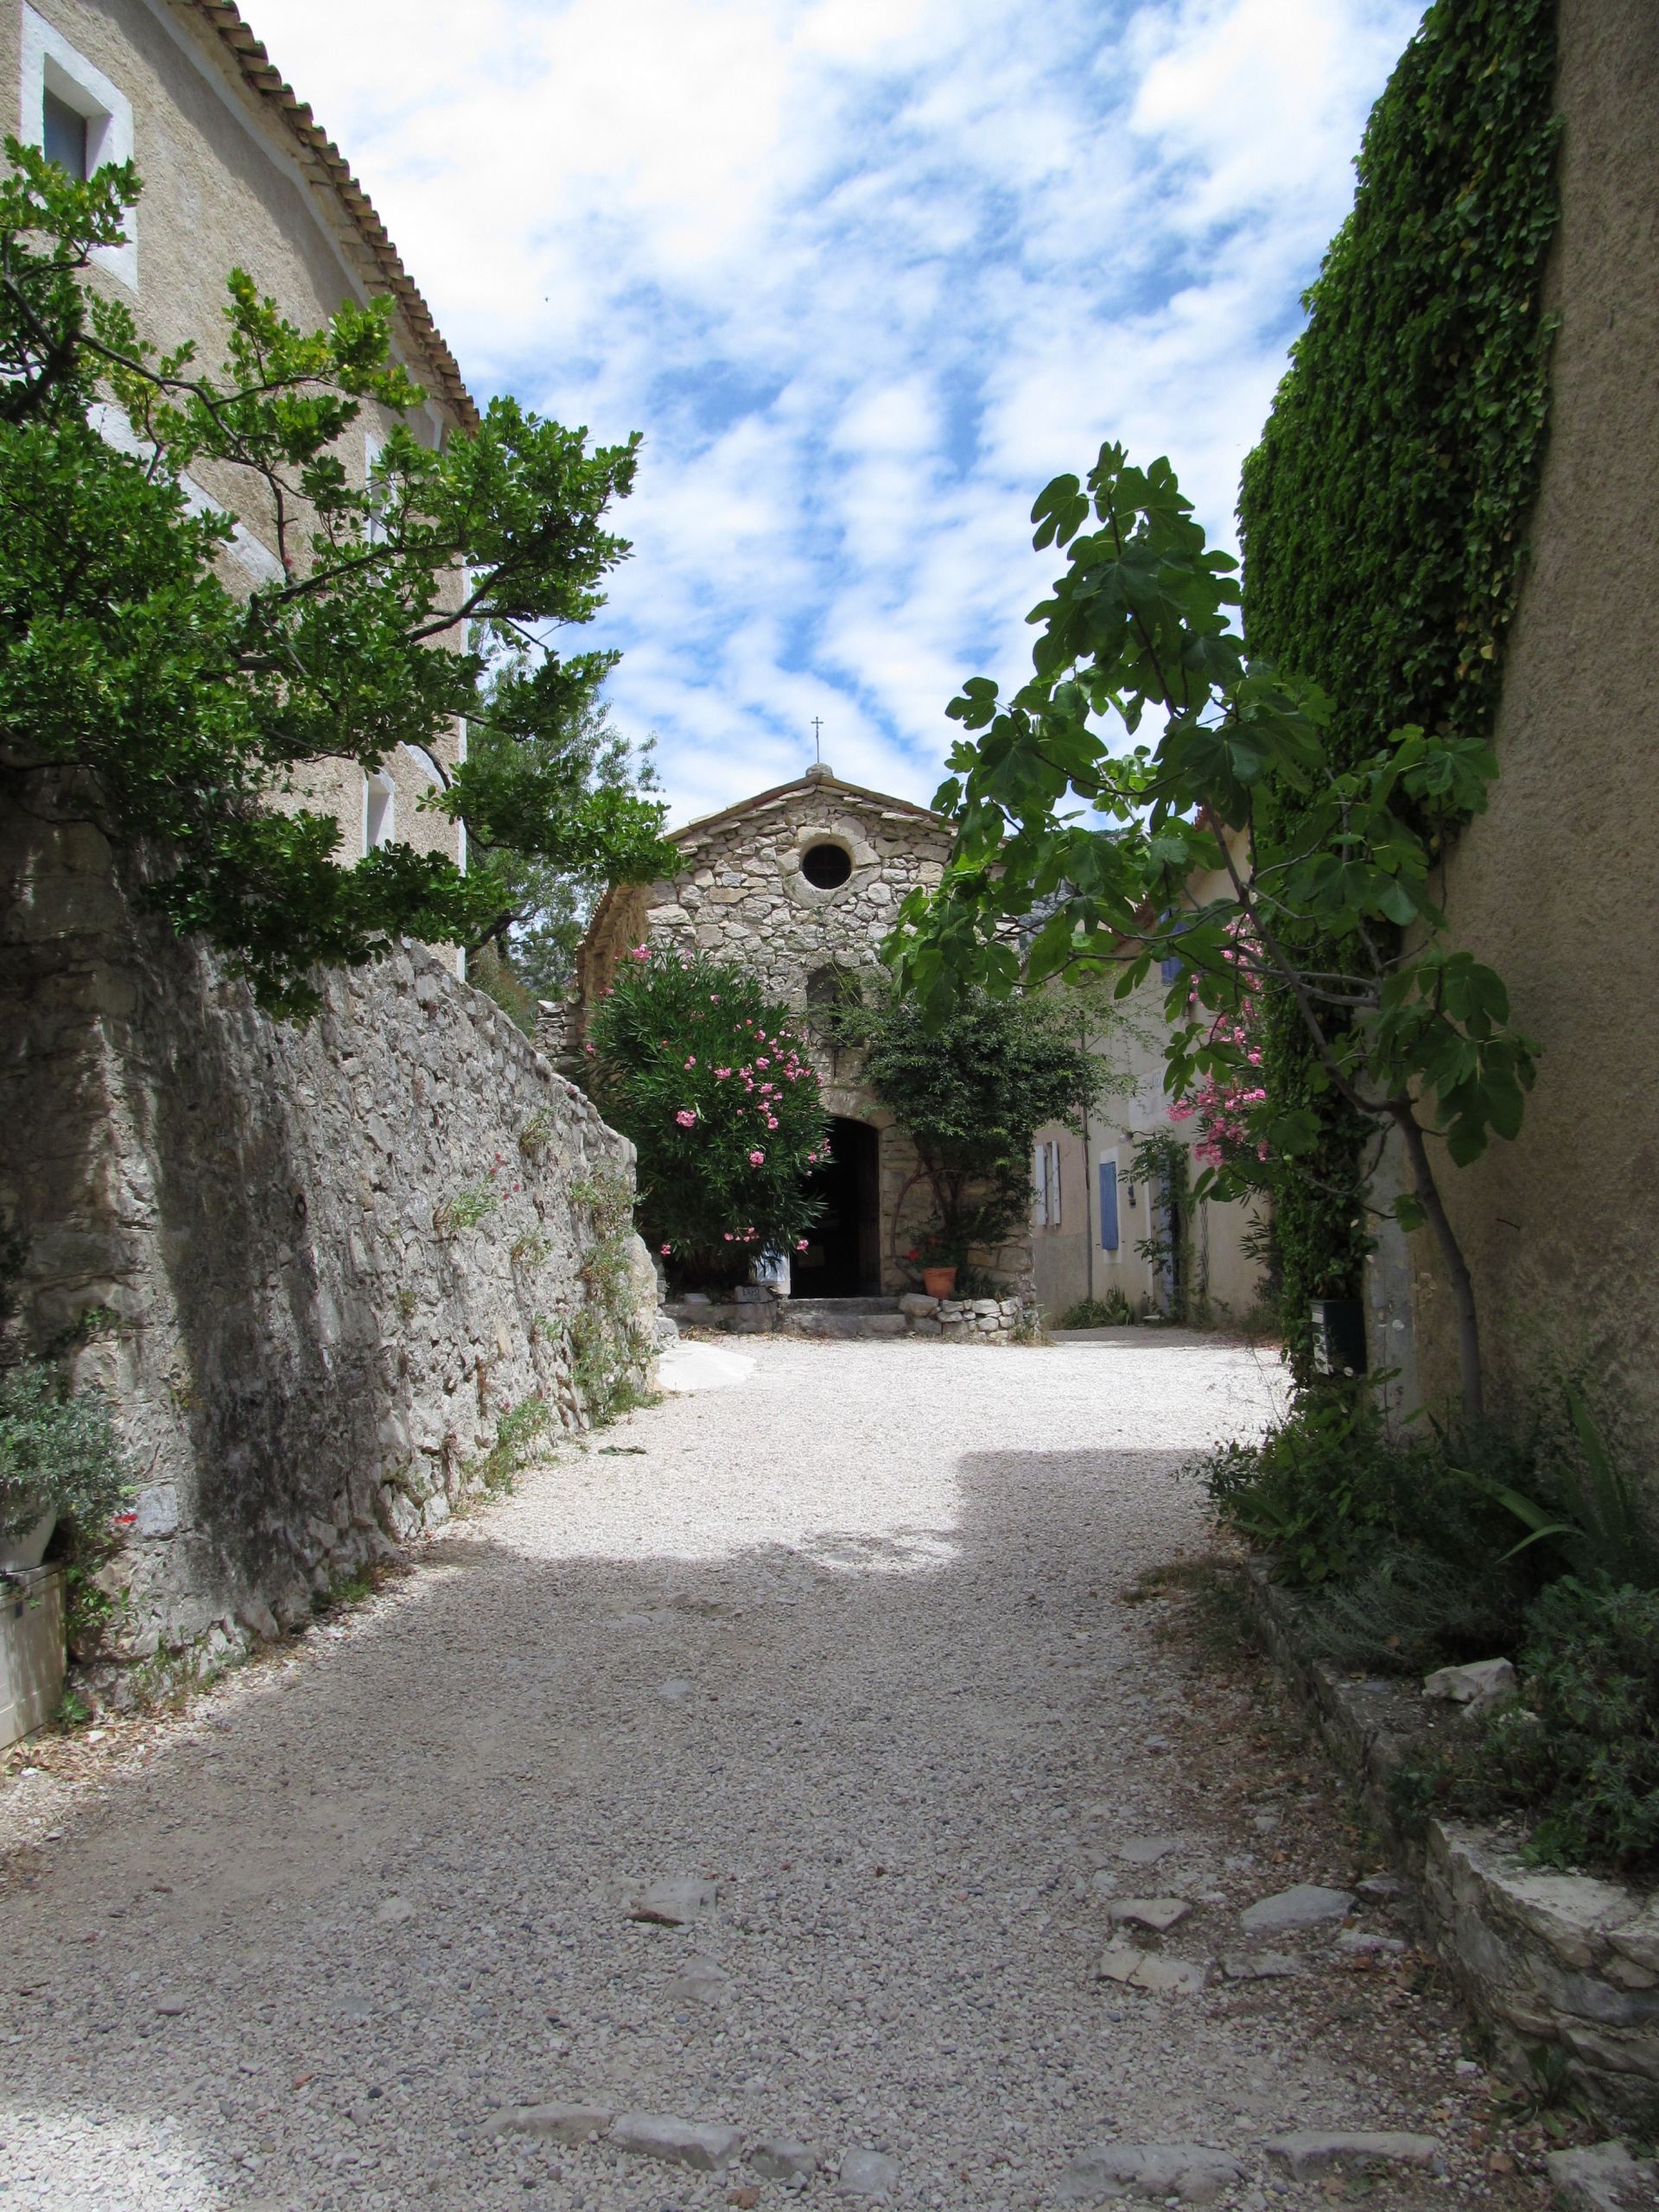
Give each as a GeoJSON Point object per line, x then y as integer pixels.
{"type": "Point", "coordinates": [844, 1641]}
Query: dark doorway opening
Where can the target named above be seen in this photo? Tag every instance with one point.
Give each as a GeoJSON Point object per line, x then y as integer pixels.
{"type": "Point", "coordinates": [843, 1257]}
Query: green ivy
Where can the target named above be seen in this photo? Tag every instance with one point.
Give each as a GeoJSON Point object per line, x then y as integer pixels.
{"type": "Point", "coordinates": [1383, 512]}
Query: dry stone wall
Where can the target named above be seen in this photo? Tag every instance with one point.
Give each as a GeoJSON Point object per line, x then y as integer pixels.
{"type": "Point", "coordinates": [317, 1267]}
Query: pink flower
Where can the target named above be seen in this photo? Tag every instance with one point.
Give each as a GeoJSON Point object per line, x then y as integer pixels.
{"type": "Point", "coordinates": [772, 1121]}
{"type": "Point", "coordinates": [762, 1063]}
{"type": "Point", "coordinates": [686, 1117]}
{"type": "Point", "coordinates": [721, 1074]}
{"type": "Point", "coordinates": [800, 1243]}
{"type": "Point", "coordinates": [665, 1250]}
{"type": "Point", "coordinates": [692, 1061]}
{"type": "Point", "coordinates": [728, 1236]}
{"type": "Point", "coordinates": [641, 952]}
{"type": "Point", "coordinates": [757, 1159]}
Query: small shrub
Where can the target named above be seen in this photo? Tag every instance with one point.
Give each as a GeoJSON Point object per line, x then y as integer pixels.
{"type": "Point", "coordinates": [516, 1433]}
{"type": "Point", "coordinates": [1577, 1752]}
{"type": "Point", "coordinates": [1112, 1311]}
{"type": "Point", "coordinates": [58, 1451]}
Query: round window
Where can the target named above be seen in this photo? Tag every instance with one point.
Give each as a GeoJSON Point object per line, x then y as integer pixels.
{"type": "Point", "coordinates": [826, 867]}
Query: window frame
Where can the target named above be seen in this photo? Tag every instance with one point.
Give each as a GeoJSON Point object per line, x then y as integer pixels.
{"type": "Point", "coordinates": [50, 64]}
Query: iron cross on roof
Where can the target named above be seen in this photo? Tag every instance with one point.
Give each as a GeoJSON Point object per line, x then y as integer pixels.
{"type": "Point", "coordinates": [817, 740]}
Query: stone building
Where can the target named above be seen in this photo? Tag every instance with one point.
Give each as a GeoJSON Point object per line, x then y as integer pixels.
{"type": "Point", "coordinates": [800, 884]}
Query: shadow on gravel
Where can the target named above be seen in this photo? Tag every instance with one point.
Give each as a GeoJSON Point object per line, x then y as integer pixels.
{"type": "Point", "coordinates": [353, 1900]}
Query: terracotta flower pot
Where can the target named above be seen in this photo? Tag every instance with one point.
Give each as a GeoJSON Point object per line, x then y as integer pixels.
{"type": "Point", "coordinates": [939, 1282]}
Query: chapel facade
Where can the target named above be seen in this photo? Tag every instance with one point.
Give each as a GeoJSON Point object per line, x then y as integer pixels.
{"type": "Point", "coordinates": [800, 884]}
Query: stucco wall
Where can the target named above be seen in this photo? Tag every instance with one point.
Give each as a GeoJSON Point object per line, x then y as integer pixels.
{"type": "Point", "coordinates": [310, 1350]}
{"type": "Point", "coordinates": [223, 190]}
{"type": "Point", "coordinates": [1556, 885]}
{"type": "Point", "coordinates": [1070, 1262]}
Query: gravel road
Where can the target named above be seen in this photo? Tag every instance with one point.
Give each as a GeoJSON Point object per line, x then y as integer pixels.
{"type": "Point", "coordinates": [844, 1642]}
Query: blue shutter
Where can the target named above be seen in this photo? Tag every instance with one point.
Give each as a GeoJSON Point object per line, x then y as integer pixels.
{"type": "Point", "coordinates": [1169, 970]}
{"type": "Point", "coordinates": [1109, 1205]}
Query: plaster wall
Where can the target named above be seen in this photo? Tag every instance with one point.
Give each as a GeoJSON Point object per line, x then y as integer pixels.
{"type": "Point", "coordinates": [1069, 1260]}
{"type": "Point", "coordinates": [1555, 885]}
{"type": "Point", "coordinates": [225, 187]}
{"type": "Point", "coordinates": [315, 1267]}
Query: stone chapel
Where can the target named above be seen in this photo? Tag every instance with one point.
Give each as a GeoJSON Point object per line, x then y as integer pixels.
{"type": "Point", "coordinates": [800, 884]}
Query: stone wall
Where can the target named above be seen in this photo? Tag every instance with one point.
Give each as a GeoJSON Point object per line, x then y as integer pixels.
{"type": "Point", "coordinates": [753, 1310]}
{"type": "Point", "coordinates": [316, 1266]}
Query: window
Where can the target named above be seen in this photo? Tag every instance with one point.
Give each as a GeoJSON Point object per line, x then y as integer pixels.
{"type": "Point", "coordinates": [380, 812]}
{"type": "Point", "coordinates": [1046, 1184]}
{"type": "Point", "coordinates": [826, 866]}
{"type": "Point", "coordinates": [63, 136]}
{"type": "Point", "coordinates": [1108, 1228]}
{"type": "Point", "coordinates": [73, 112]}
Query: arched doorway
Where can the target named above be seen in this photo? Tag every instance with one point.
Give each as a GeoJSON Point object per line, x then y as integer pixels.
{"type": "Point", "coordinates": [843, 1257]}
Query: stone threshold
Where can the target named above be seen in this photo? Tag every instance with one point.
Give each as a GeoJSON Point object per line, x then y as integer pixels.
{"type": "Point", "coordinates": [1550, 1962]}
{"type": "Point", "coordinates": [753, 1310]}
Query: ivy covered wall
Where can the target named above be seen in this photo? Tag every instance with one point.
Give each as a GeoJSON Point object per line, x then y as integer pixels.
{"type": "Point", "coordinates": [1384, 512]}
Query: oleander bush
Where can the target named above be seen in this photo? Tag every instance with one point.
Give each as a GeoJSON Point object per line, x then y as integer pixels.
{"type": "Point", "coordinates": [689, 1059]}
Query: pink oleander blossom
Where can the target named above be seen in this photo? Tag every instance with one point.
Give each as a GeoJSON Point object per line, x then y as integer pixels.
{"type": "Point", "coordinates": [757, 1159]}
{"type": "Point", "coordinates": [686, 1117]}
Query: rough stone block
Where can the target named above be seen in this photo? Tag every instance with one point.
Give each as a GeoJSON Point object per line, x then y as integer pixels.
{"type": "Point", "coordinates": [705, 2146]}
{"type": "Point", "coordinates": [1309, 2153]}
{"type": "Point", "coordinates": [883, 1324]}
{"type": "Point", "coordinates": [554, 2123]}
{"type": "Point", "coordinates": [1192, 2173]}
{"type": "Point", "coordinates": [918, 1303]}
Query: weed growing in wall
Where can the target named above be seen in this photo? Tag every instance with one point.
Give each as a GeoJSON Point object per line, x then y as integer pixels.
{"type": "Point", "coordinates": [473, 1203]}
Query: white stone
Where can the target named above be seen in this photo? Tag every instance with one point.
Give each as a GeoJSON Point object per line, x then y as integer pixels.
{"type": "Point", "coordinates": [778, 2158]}
{"type": "Point", "coordinates": [1602, 2177]}
{"type": "Point", "coordinates": [1160, 1913]}
{"type": "Point", "coordinates": [672, 1901]}
{"type": "Point", "coordinates": [1151, 1970]}
{"type": "Point", "coordinates": [557, 2123]}
{"type": "Point", "coordinates": [1192, 2173]}
{"type": "Point", "coordinates": [707, 2146]}
{"type": "Point", "coordinates": [1260, 1965]}
{"type": "Point", "coordinates": [1476, 1686]}
{"type": "Point", "coordinates": [1310, 2152]}
{"type": "Point", "coordinates": [1307, 1905]}
{"type": "Point", "coordinates": [866, 2173]}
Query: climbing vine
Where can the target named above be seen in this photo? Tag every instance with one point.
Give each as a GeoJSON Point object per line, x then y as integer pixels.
{"type": "Point", "coordinates": [1383, 512]}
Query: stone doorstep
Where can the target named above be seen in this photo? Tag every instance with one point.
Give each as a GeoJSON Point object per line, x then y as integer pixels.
{"type": "Point", "coordinates": [1557, 1959]}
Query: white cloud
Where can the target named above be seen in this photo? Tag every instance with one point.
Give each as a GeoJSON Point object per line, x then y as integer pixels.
{"type": "Point", "coordinates": [866, 273]}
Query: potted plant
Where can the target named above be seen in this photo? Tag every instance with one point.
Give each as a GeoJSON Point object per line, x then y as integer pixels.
{"type": "Point", "coordinates": [940, 1257]}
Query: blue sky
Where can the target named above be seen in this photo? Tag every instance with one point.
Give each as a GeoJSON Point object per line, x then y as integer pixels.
{"type": "Point", "coordinates": [866, 273]}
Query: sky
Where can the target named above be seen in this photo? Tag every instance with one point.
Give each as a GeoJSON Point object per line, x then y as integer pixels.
{"type": "Point", "coordinates": [866, 274]}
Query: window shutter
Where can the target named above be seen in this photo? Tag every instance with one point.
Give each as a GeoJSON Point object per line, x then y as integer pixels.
{"type": "Point", "coordinates": [1054, 1183]}
{"type": "Point", "coordinates": [1039, 1187]}
{"type": "Point", "coordinates": [1109, 1205]}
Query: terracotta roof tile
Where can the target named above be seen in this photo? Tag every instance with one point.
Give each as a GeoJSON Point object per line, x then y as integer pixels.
{"type": "Point", "coordinates": [263, 77]}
